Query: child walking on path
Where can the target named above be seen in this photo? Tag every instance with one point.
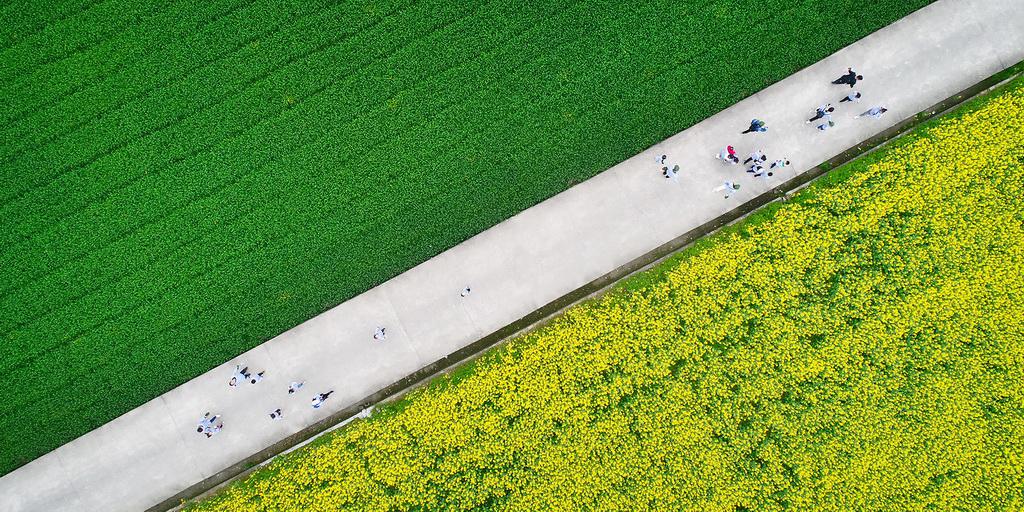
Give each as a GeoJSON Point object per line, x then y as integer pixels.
{"type": "Point", "coordinates": [728, 155]}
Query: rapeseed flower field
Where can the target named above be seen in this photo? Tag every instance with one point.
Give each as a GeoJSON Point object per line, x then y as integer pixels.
{"type": "Point", "coordinates": [860, 347]}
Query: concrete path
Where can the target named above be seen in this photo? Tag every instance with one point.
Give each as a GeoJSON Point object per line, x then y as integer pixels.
{"type": "Point", "coordinates": [154, 452]}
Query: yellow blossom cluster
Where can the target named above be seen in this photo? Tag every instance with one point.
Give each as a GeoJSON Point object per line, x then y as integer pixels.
{"type": "Point", "coordinates": [860, 348]}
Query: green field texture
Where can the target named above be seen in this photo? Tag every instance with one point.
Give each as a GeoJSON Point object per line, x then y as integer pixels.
{"type": "Point", "coordinates": [856, 347]}
{"type": "Point", "coordinates": [182, 180]}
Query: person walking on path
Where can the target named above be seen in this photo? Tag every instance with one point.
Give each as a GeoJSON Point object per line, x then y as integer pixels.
{"type": "Point", "coordinates": [727, 187]}
{"type": "Point", "coordinates": [756, 125]}
{"type": "Point", "coordinates": [875, 112]}
{"type": "Point", "coordinates": [465, 291]}
{"type": "Point", "coordinates": [276, 414]}
{"type": "Point", "coordinates": [853, 97]}
{"type": "Point", "coordinates": [253, 379]}
{"type": "Point", "coordinates": [756, 156]}
{"type": "Point", "coordinates": [670, 172]}
{"type": "Point", "coordinates": [779, 164]}
{"type": "Point", "coordinates": [758, 171]}
{"type": "Point", "coordinates": [660, 159]}
{"type": "Point", "coordinates": [379, 334]}
{"type": "Point", "coordinates": [821, 112]}
{"type": "Point", "coordinates": [207, 422]}
{"type": "Point", "coordinates": [825, 123]}
{"type": "Point", "coordinates": [319, 399]}
{"type": "Point", "coordinates": [295, 386]}
{"type": "Point", "coordinates": [241, 374]}
{"type": "Point", "coordinates": [728, 155]}
{"type": "Point", "coordinates": [214, 430]}
{"type": "Point", "coordinates": [849, 78]}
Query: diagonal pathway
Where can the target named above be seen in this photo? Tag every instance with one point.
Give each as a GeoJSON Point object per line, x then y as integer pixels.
{"type": "Point", "coordinates": [153, 452]}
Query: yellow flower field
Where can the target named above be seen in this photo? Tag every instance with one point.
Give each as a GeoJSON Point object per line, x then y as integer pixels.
{"type": "Point", "coordinates": [860, 348]}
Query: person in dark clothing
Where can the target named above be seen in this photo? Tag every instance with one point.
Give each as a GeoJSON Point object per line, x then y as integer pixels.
{"type": "Point", "coordinates": [756, 125]}
{"type": "Point", "coordinates": [849, 78]}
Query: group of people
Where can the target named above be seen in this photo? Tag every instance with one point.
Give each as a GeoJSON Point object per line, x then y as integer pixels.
{"type": "Point", "coordinates": [757, 160]}
{"type": "Point", "coordinates": [822, 118]}
{"type": "Point", "coordinates": [823, 115]}
{"type": "Point", "coordinates": [210, 425]}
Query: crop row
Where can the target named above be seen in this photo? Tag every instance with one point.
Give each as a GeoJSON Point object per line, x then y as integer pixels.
{"type": "Point", "coordinates": [858, 348]}
{"type": "Point", "coordinates": [303, 156]}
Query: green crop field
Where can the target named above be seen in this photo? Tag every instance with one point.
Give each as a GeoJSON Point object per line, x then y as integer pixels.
{"type": "Point", "coordinates": [182, 180]}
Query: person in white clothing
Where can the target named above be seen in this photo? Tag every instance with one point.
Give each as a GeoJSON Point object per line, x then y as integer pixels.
{"type": "Point", "coordinates": [319, 400]}
{"type": "Point", "coordinates": [241, 375]}
{"type": "Point", "coordinates": [379, 334]}
{"type": "Point", "coordinates": [294, 386]}
{"type": "Point", "coordinates": [875, 112]}
{"type": "Point", "coordinates": [727, 187]}
{"type": "Point", "coordinates": [757, 157]}
{"type": "Point", "coordinates": [853, 97]}
{"type": "Point", "coordinates": [728, 154]}
{"type": "Point", "coordinates": [465, 291]}
{"type": "Point", "coordinates": [822, 111]}
{"type": "Point", "coordinates": [206, 423]}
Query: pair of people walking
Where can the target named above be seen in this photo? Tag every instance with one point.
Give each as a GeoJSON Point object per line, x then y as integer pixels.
{"type": "Point", "coordinates": [210, 425]}
{"type": "Point", "coordinates": [242, 374]}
